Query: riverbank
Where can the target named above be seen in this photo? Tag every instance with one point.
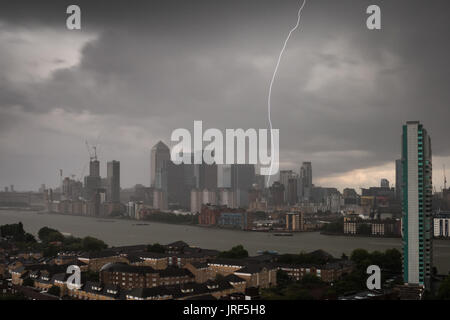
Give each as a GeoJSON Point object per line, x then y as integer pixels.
{"type": "Point", "coordinates": [359, 235]}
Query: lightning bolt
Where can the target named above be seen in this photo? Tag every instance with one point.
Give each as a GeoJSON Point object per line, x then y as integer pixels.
{"type": "Point", "coordinates": [299, 14]}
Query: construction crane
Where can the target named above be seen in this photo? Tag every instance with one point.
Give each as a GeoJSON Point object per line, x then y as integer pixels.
{"type": "Point", "coordinates": [92, 155]}
{"type": "Point", "coordinates": [61, 178]}
{"type": "Point", "coordinates": [445, 178]}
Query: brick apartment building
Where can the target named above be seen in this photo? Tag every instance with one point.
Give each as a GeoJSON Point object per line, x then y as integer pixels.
{"type": "Point", "coordinates": [129, 277]}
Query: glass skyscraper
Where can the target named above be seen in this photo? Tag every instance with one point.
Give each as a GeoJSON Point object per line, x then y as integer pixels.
{"type": "Point", "coordinates": [416, 205]}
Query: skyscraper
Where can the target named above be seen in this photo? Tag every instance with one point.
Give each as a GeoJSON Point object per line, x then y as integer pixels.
{"type": "Point", "coordinates": [93, 181]}
{"type": "Point", "coordinates": [285, 175]}
{"type": "Point", "coordinates": [242, 179]}
{"type": "Point", "coordinates": [306, 181]}
{"type": "Point", "coordinates": [113, 178]}
{"type": "Point", "coordinates": [416, 205]}
{"type": "Point", "coordinates": [159, 153]}
{"type": "Point", "coordinates": [224, 176]}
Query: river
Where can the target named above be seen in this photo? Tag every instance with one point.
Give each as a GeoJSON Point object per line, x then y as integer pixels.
{"type": "Point", "coordinates": [126, 232]}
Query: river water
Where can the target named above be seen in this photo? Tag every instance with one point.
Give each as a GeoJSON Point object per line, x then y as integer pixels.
{"type": "Point", "coordinates": [126, 232]}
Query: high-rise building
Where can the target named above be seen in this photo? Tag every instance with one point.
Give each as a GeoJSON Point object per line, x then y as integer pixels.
{"type": "Point", "coordinates": [242, 178]}
{"type": "Point", "coordinates": [295, 221]}
{"type": "Point", "coordinates": [93, 181]}
{"type": "Point", "coordinates": [276, 194]}
{"type": "Point", "coordinates": [94, 168]}
{"type": "Point", "coordinates": [292, 190]}
{"type": "Point", "coordinates": [207, 176]}
{"type": "Point", "coordinates": [159, 154]}
{"type": "Point", "coordinates": [113, 181]}
{"type": "Point", "coordinates": [416, 206]}
{"type": "Point", "coordinates": [306, 181]}
{"type": "Point", "coordinates": [224, 176]}
{"type": "Point", "coordinates": [285, 175]}
{"type": "Point", "coordinates": [384, 183]}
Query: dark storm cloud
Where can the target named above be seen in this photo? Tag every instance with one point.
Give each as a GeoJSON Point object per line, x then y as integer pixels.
{"type": "Point", "coordinates": [341, 94]}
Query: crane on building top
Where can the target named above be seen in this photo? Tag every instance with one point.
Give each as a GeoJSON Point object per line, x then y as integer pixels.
{"type": "Point", "coordinates": [93, 152]}
{"type": "Point", "coordinates": [445, 178]}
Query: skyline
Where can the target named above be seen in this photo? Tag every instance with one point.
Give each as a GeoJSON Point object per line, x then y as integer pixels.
{"type": "Point", "coordinates": [131, 76]}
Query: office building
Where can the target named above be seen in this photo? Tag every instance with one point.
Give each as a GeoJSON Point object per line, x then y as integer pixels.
{"type": "Point", "coordinates": [295, 221]}
{"type": "Point", "coordinates": [442, 225]}
{"type": "Point", "coordinates": [113, 181]}
{"type": "Point", "coordinates": [416, 206]}
{"type": "Point", "coordinates": [242, 178]}
{"type": "Point", "coordinates": [285, 175]}
{"type": "Point", "coordinates": [159, 154]}
{"type": "Point", "coordinates": [384, 183]}
{"type": "Point", "coordinates": [93, 181]}
{"type": "Point", "coordinates": [305, 188]}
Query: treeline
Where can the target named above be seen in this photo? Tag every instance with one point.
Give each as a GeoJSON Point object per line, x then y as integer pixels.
{"type": "Point", "coordinates": [54, 241]}
{"type": "Point", "coordinates": [304, 258]}
{"type": "Point", "coordinates": [51, 241]}
{"type": "Point", "coordinates": [16, 233]}
{"type": "Point", "coordinates": [334, 227]}
{"type": "Point", "coordinates": [237, 252]}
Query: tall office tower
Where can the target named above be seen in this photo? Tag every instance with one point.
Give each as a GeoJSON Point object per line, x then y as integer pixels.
{"type": "Point", "coordinates": [94, 168]}
{"type": "Point", "coordinates": [276, 194]}
{"type": "Point", "coordinates": [242, 178]}
{"type": "Point", "coordinates": [207, 176]}
{"type": "Point", "coordinates": [93, 181]}
{"type": "Point", "coordinates": [416, 206]}
{"type": "Point", "coordinates": [285, 175]}
{"type": "Point", "coordinates": [398, 179]}
{"type": "Point", "coordinates": [291, 190]}
{"type": "Point", "coordinates": [224, 176]}
{"type": "Point", "coordinates": [306, 181]}
{"type": "Point", "coordinates": [159, 153]}
{"type": "Point", "coordinates": [113, 178]}
{"type": "Point", "coordinates": [384, 183]}
{"type": "Point", "coordinates": [178, 188]}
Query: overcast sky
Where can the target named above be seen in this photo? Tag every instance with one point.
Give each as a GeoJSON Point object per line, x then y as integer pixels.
{"type": "Point", "coordinates": [140, 69]}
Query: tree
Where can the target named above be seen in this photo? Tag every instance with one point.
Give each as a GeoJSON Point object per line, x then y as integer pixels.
{"type": "Point", "coordinates": [444, 289]}
{"type": "Point", "coordinates": [392, 260]}
{"type": "Point", "coordinates": [237, 252]}
{"type": "Point", "coordinates": [359, 255]}
{"type": "Point", "coordinates": [283, 278]}
{"type": "Point", "coordinates": [16, 232]}
{"type": "Point", "coordinates": [93, 244]}
{"type": "Point", "coordinates": [54, 290]}
{"type": "Point", "coordinates": [29, 238]}
{"type": "Point", "coordinates": [47, 234]}
{"type": "Point", "coordinates": [50, 251]}
{"type": "Point", "coordinates": [156, 248]}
